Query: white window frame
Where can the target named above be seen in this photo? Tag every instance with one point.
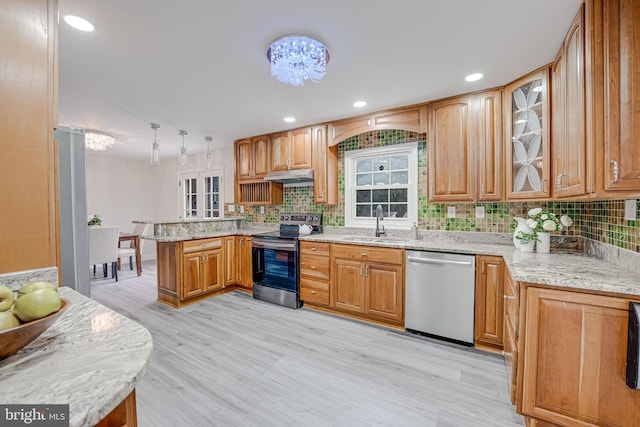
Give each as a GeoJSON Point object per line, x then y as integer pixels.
{"type": "Point", "coordinates": [200, 187]}
{"type": "Point", "coordinates": [350, 159]}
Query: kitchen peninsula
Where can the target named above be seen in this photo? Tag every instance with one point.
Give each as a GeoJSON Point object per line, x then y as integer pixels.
{"type": "Point", "coordinates": [92, 358]}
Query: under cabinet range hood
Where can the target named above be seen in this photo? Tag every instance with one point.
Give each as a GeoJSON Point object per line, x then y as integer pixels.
{"type": "Point", "coordinates": [291, 177]}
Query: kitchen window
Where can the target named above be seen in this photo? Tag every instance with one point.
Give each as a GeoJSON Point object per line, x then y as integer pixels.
{"type": "Point", "coordinates": [200, 194]}
{"type": "Point", "coordinates": [385, 176]}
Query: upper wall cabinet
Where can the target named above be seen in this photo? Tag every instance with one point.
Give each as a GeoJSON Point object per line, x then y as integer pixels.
{"type": "Point", "coordinates": [413, 119]}
{"type": "Point", "coordinates": [616, 26]}
{"type": "Point", "coordinates": [450, 151]}
{"type": "Point", "coordinates": [465, 148]}
{"type": "Point", "coordinates": [568, 141]}
{"type": "Point", "coordinates": [252, 158]}
{"type": "Point", "coordinates": [527, 136]}
{"type": "Point", "coordinates": [291, 149]}
{"type": "Point", "coordinates": [325, 167]}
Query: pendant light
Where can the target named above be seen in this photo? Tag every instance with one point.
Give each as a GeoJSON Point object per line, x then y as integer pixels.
{"type": "Point", "coordinates": [182, 154]}
{"type": "Point", "coordinates": [207, 156]}
{"type": "Point", "coordinates": [155, 148]}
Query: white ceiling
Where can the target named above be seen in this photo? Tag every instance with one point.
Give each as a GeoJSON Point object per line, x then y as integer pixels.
{"type": "Point", "coordinates": [201, 65]}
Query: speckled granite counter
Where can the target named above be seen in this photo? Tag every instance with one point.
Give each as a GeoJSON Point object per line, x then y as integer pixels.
{"type": "Point", "coordinates": [90, 358]}
{"type": "Point", "coordinates": [191, 235]}
{"type": "Point", "coordinates": [559, 268]}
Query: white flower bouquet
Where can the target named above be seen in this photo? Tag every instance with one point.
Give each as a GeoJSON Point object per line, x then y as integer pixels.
{"type": "Point", "coordinates": [545, 222]}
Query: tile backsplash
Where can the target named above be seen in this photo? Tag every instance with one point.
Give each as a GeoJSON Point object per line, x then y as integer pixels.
{"type": "Point", "coordinates": [600, 220]}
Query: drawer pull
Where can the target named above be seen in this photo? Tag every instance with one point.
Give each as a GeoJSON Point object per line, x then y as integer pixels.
{"type": "Point", "coordinates": [314, 249]}
{"type": "Point", "coordinates": [363, 254]}
{"type": "Point", "coordinates": [313, 267]}
{"type": "Point", "coordinates": [313, 292]}
{"type": "Point", "coordinates": [509, 297]}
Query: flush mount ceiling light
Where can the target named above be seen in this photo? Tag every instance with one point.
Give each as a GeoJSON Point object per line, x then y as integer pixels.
{"type": "Point", "coordinates": [155, 148]}
{"type": "Point", "coordinates": [182, 155]}
{"type": "Point", "coordinates": [98, 141]}
{"type": "Point", "coordinates": [78, 23]}
{"type": "Point", "coordinates": [290, 119]}
{"type": "Point", "coordinates": [360, 104]}
{"type": "Point", "coordinates": [295, 58]}
{"type": "Point", "coordinates": [473, 77]}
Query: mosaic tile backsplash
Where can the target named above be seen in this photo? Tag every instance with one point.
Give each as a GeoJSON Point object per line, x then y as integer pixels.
{"type": "Point", "coordinates": [600, 220]}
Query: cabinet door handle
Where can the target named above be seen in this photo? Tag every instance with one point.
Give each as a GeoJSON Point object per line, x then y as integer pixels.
{"type": "Point", "coordinates": [509, 297]}
{"type": "Point", "coordinates": [366, 271]}
{"type": "Point", "coordinates": [361, 269]}
{"type": "Point", "coordinates": [482, 190]}
{"type": "Point", "coordinates": [616, 172]}
{"type": "Point", "coordinates": [322, 194]}
{"type": "Point", "coordinates": [559, 181]}
{"type": "Point", "coordinates": [431, 192]}
{"type": "Point", "coordinates": [482, 267]}
{"type": "Point", "coordinates": [544, 185]}
{"type": "Point", "coordinates": [504, 353]}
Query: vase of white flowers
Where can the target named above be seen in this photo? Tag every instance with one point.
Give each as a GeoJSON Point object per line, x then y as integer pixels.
{"type": "Point", "coordinates": [543, 222]}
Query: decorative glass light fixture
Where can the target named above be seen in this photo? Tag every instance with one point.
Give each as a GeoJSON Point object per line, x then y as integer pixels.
{"type": "Point", "coordinates": [295, 58]}
{"type": "Point", "coordinates": [98, 141]}
{"type": "Point", "coordinates": [182, 154]}
{"type": "Point", "coordinates": [155, 148]}
{"type": "Point", "coordinates": [207, 156]}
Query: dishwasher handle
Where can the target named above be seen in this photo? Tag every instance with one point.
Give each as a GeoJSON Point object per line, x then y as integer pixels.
{"type": "Point", "coordinates": [437, 261]}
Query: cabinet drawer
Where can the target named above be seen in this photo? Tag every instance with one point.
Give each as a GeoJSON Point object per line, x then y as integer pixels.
{"type": "Point", "coordinates": [201, 245]}
{"type": "Point", "coordinates": [316, 248]}
{"type": "Point", "coordinates": [368, 253]}
{"type": "Point", "coordinates": [314, 291]}
{"type": "Point", "coordinates": [314, 266]}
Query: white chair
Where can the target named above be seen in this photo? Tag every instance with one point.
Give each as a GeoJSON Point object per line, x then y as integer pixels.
{"type": "Point", "coordinates": [103, 248]}
{"type": "Point", "coordinates": [130, 250]}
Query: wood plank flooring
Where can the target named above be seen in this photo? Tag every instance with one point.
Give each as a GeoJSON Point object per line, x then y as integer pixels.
{"type": "Point", "coordinates": [235, 361]}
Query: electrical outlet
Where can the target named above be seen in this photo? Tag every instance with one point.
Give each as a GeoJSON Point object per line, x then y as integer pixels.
{"type": "Point", "coordinates": [232, 208]}
{"type": "Point", "coordinates": [451, 211]}
{"type": "Point", "coordinates": [630, 210]}
{"type": "Point", "coordinates": [479, 212]}
{"type": "Point", "coordinates": [241, 209]}
{"type": "Point", "coordinates": [261, 209]}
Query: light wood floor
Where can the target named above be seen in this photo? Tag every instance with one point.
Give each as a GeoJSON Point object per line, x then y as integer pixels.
{"type": "Point", "coordinates": [235, 361]}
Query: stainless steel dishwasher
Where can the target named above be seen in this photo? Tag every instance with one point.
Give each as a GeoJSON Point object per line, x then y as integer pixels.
{"type": "Point", "coordinates": [440, 291]}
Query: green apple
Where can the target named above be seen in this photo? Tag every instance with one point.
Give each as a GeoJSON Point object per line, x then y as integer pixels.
{"type": "Point", "coordinates": [6, 298]}
{"type": "Point", "coordinates": [8, 320]}
{"type": "Point", "coordinates": [37, 304]}
{"type": "Point", "coordinates": [30, 287]}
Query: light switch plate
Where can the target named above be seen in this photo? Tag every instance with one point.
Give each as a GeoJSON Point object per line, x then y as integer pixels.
{"type": "Point", "coordinates": [451, 211]}
{"type": "Point", "coordinates": [232, 208]}
{"type": "Point", "coordinates": [261, 209]}
{"type": "Point", "coordinates": [479, 212]}
{"type": "Point", "coordinates": [630, 210]}
{"type": "Point", "coordinates": [241, 208]}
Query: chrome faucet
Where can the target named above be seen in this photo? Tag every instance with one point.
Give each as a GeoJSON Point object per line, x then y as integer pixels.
{"type": "Point", "coordinates": [379, 217]}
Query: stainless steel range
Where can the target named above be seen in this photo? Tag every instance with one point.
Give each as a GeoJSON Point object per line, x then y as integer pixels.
{"type": "Point", "coordinates": [276, 275]}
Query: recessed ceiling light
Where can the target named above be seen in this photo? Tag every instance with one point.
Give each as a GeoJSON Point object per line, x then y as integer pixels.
{"type": "Point", "coordinates": [473, 77]}
{"type": "Point", "coordinates": [360, 104]}
{"type": "Point", "coordinates": [78, 23]}
{"type": "Point", "coordinates": [290, 119]}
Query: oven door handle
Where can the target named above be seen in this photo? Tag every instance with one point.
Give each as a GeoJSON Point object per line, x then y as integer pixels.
{"type": "Point", "coordinates": [285, 246]}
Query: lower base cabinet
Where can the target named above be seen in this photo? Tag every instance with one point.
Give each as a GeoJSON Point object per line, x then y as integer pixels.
{"type": "Point", "coordinates": [489, 317]}
{"type": "Point", "coordinates": [573, 364]}
{"type": "Point", "coordinates": [191, 270]}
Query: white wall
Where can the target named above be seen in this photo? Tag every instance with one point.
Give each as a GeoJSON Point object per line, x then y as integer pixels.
{"type": "Point", "coordinates": [121, 190]}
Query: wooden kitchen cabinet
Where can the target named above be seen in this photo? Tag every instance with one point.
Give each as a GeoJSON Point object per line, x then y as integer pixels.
{"type": "Point", "coordinates": [244, 260]}
{"type": "Point", "coordinates": [527, 149]}
{"type": "Point", "coordinates": [510, 332]}
{"type": "Point", "coordinates": [230, 260]}
{"type": "Point", "coordinates": [465, 148]}
{"type": "Point", "coordinates": [202, 267]}
{"type": "Point", "coordinates": [574, 356]}
{"type": "Point", "coordinates": [368, 281]}
{"type": "Point", "coordinates": [291, 149]}
{"type": "Point", "coordinates": [616, 91]}
{"type": "Point", "coordinates": [489, 296]}
{"type": "Point", "coordinates": [314, 272]}
{"type": "Point", "coordinates": [252, 158]}
{"type": "Point", "coordinates": [450, 150]}
{"type": "Point", "coordinates": [568, 141]}
{"type": "Point", "coordinates": [324, 161]}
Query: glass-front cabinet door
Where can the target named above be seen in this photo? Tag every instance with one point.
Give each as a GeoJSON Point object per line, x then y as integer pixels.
{"type": "Point", "coordinates": [527, 137]}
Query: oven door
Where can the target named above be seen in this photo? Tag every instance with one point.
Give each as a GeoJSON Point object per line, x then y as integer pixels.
{"type": "Point", "coordinates": [275, 263]}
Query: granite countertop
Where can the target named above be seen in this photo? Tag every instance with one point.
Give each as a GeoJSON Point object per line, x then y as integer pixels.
{"type": "Point", "coordinates": [185, 220]}
{"type": "Point", "coordinates": [91, 358]}
{"type": "Point", "coordinates": [245, 231]}
{"type": "Point", "coordinates": [559, 268]}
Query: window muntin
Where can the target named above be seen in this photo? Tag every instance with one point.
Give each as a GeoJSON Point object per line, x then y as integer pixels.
{"type": "Point", "coordinates": [201, 194]}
